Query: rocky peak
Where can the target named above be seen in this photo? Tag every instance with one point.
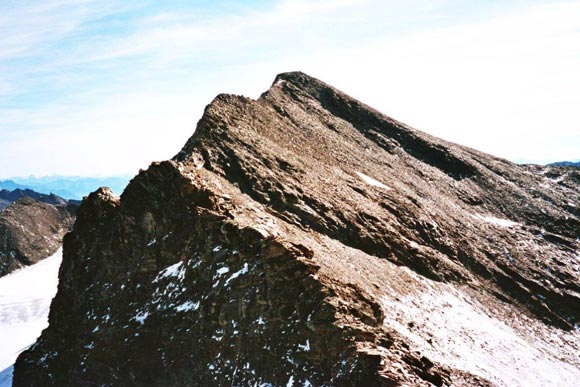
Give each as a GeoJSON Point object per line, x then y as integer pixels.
{"type": "Point", "coordinates": [305, 238]}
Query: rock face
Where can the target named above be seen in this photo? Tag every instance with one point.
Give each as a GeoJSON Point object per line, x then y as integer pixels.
{"type": "Point", "coordinates": [305, 239]}
{"type": "Point", "coordinates": [31, 230]}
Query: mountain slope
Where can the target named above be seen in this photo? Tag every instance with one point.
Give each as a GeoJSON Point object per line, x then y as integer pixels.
{"type": "Point", "coordinates": [306, 239]}
{"type": "Point", "coordinates": [31, 230]}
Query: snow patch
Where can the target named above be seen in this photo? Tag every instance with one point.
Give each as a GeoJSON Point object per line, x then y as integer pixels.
{"type": "Point", "coordinates": [496, 221]}
{"type": "Point", "coordinates": [243, 270]}
{"type": "Point", "coordinates": [187, 306]}
{"type": "Point", "coordinates": [176, 270]}
{"type": "Point", "coordinates": [223, 270]}
{"type": "Point", "coordinates": [559, 178]}
{"type": "Point", "coordinates": [141, 317]}
{"type": "Point", "coordinates": [305, 347]}
{"type": "Point", "coordinates": [370, 181]}
{"type": "Point", "coordinates": [450, 328]}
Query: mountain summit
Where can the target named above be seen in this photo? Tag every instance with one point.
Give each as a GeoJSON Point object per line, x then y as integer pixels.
{"type": "Point", "coordinates": [306, 239]}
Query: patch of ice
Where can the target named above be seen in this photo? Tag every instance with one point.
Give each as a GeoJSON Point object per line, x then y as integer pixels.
{"type": "Point", "coordinates": [496, 221]}
{"type": "Point", "coordinates": [290, 381]}
{"type": "Point", "coordinates": [238, 273]}
{"type": "Point", "coordinates": [370, 181]}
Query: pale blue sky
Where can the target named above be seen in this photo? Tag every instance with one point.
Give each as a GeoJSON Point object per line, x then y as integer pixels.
{"type": "Point", "coordinates": [100, 87]}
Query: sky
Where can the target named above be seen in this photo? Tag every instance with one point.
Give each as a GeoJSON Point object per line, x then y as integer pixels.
{"type": "Point", "coordinates": [103, 87]}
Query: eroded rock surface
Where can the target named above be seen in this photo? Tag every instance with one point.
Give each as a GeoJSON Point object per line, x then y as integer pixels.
{"type": "Point", "coordinates": [31, 230]}
{"type": "Point", "coordinates": [305, 239]}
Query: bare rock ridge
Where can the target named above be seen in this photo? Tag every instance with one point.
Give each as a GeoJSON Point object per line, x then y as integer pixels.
{"type": "Point", "coordinates": [305, 239]}
{"type": "Point", "coordinates": [31, 230]}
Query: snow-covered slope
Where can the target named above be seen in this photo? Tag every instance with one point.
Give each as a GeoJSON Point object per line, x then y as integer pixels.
{"type": "Point", "coordinates": [25, 297]}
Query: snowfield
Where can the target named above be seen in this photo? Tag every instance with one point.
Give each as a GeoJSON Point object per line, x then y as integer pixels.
{"type": "Point", "coordinates": [448, 326]}
{"type": "Point", "coordinates": [25, 297]}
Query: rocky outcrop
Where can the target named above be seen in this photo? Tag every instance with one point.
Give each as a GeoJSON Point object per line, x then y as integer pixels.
{"type": "Point", "coordinates": [31, 230]}
{"type": "Point", "coordinates": [305, 239]}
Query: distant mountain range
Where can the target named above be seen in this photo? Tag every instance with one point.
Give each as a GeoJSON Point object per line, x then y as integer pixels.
{"type": "Point", "coordinates": [565, 164]}
{"type": "Point", "coordinates": [68, 187]}
{"type": "Point", "coordinates": [7, 197]}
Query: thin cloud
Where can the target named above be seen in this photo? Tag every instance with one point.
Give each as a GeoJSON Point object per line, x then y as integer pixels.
{"type": "Point", "coordinates": [503, 81]}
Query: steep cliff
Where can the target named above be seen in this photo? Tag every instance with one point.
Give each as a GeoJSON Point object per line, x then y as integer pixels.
{"type": "Point", "coordinates": [31, 230]}
{"type": "Point", "coordinates": [305, 239]}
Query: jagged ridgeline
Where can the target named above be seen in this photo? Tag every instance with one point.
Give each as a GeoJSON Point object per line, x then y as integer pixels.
{"type": "Point", "coordinates": [305, 239]}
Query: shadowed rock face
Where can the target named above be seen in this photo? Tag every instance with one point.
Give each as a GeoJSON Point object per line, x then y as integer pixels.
{"type": "Point", "coordinates": [31, 230]}
{"type": "Point", "coordinates": [306, 239]}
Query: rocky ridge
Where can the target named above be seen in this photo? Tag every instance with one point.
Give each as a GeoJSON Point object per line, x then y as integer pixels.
{"type": "Point", "coordinates": [7, 197]}
{"type": "Point", "coordinates": [31, 230]}
{"type": "Point", "coordinates": [305, 239]}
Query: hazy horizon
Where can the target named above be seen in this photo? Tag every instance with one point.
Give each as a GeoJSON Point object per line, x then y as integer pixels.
{"type": "Point", "coordinates": [94, 88]}
{"type": "Point", "coordinates": [121, 175]}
